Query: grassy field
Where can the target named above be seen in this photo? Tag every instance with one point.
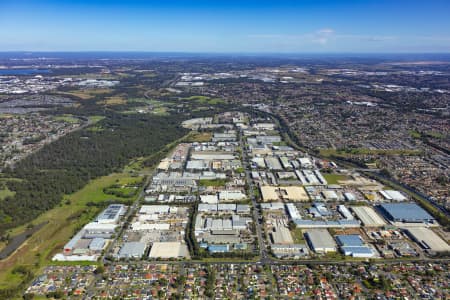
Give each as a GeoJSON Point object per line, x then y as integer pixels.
{"type": "Point", "coordinates": [5, 192]}
{"type": "Point", "coordinates": [87, 94]}
{"type": "Point", "coordinates": [160, 111]}
{"type": "Point", "coordinates": [334, 178]}
{"type": "Point", "coordinates": [212, 182]}
{"type": "Point", "coordinates": [297, 235]}
{"type": "Point", "coordinates": [115, 100]}
{"type": "Point", "coordinates": [67, 118]}
{"type": "Point", "coordinates": [200, 137]}
{"type": "Point", "coordinates": [205, 100]}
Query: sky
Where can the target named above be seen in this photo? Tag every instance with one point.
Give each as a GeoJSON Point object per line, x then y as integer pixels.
{"type": "Point", "coordinates": [278, 26]}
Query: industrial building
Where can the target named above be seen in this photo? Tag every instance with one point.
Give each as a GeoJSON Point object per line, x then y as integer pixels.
{"type": "Point", "coordinates": [427, 239]}
{"type": "Point", "coordinates": [289, 250]}
{"type": "Point", "coordinates": [392, 195]}
{"type": "Point", "coordinates": [287, 193]}
{"type": "Point", "coordinates": [353, 245]}
{"type": "Point", "coordinates": [272, 206]}
{"type": "Point", "coordinates": [169, 250]}
{"type": "Point", "coordinates": [132, 250]}
{"type": "Point", "coordinates": [111, 214]}
{"type": "Point", "coordinates": [90, 241]}
{"type": "Point", "coordinates": [273, 163]}
{"type": "Point", "coordinates": [368, 216]}
{"type": "Point", "coordinates": [309, 177]}
{"type": "Point", "coordinates": [405, 212]}
{"type": "Point", "coordinates": [327, 224]}
{"type": "Point", "coordinates": [280, 234]}
{"type": "Point", "coordinates": [320, 241]}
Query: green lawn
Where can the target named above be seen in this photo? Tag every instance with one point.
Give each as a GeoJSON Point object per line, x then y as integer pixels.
{"type": "Point", "coordinates": [67, 118]}
{"type": "Point", "coordinates": [5, 192]}
{"type": "Point", "coordinates": [297, 235]}
{"type": "Point", "coordinates": [205, 100]}
{"type": "Point", "coordinates": [334, 178]}
{"type": "Point", "coordinates": [215, 182]}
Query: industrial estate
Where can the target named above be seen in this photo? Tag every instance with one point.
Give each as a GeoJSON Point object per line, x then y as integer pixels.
{"type": "Point", "coordinates": [223, 178]}
{"type": "Point", "coordinates": [245, 195]}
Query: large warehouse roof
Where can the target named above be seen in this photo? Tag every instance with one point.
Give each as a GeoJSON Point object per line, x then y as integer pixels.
{"type": "Point", "coordinates": [132, 250]}
{"type": "Point", "coordinates": [405, 212]}
{"type": "Point", "coordinates": [320, 240]}
{"type": "Point", "coordinates": [168, 250]}
{"type": "Point", "coordinates": [368, 216]}
{"type": "Point", "coordinates": [428, 239]}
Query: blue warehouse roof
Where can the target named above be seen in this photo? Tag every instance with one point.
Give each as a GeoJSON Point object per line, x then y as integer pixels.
{"type": "Point", "coordinates": [405, 212]}
{"type": "Point", "coordinates": [218, 248]}
{"type": "Point", "coordinates": [351, 240]}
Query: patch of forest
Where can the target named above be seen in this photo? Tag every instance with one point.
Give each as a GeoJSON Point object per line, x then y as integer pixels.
{"type": "Point", "coordinates": [70, 162]}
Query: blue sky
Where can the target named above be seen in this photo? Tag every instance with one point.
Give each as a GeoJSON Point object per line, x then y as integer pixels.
{"type": "Point", "coordinates": [226, 26]}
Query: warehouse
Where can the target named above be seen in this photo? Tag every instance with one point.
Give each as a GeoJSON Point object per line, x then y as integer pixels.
{"type": "Point", "coordinates": [169, 250]}
{"type": "Point", "coordinates": [368, 216]}
{"type": "Point", "coordinates": [293, 211]}
{"type": "Point", "coordinates": [345, 212]}
{"type": "Point", "coordinates": [289, 250]}
{"type": "Point", "coordinates": [405, 212]}
{"type": "Point", "coordinates": [219, 248]}
{"type": "Point", "coordinates": [111, 214]}
{"type": "Point", "coordinates": [327, 224]}
{"type": "Point", "coordinates": [293, 193]}
{"type": "Point", "coordinates": [392, 195]}
{"type": "Point", "coordinates": [97, 244]}
{"type": "Point", "coordinates": [272, 206]}
{"type": "Point", "coordinates": [154, 209]}
{"type": "Point", "coordinates": [330, 195]}
{"type": "Point", "coordinates": [268, 139]}
{"type": "Point", "coordinates": [210, 199]}
{"type": "Point", "coordinates": [197, 165]}
{"type": "Point", "coordinates": [353, 245]}
{"type": "Point", "coordinates": [224, 137]}
{"type": "Point", "coordinates": [269, 193]}
{"type": "Point", "coordinates": [138, 226]}
{"type": "Point", "coordinates": [259, 161]}
{"type": "Point", "coordinates": [231, 195]}
{"type": "Point", "coordinates": [428, 239]}
{"type": "Point", "coordinates": [349, 196]}
{"type": "Point", "coordinates": [281, 234]}
{"type": "Point", "coordinates": [273, 163]}
{"type": "Point", "coordinates": [132, 250]}
{"type": "Point", "coordinates": [306, 162]}
{"type": "Point", "coordinates": [320, 241]}
{"type": "Point", "coordinates": [208, 155]}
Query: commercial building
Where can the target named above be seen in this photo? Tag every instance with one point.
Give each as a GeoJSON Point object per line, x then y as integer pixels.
{"type": "Point", "coordinates": [273, 163]}
{"type": "Point", "coordinates": [219, 248]}
{"type": "Point", "coordinates": [320, 241]}
{"type": "Point", "coordinates": [281, 234]}
{"type": "Point", "coordinates": [132, 250]}
{"type": "Point", "coordinates": [111, 214]}
{"type": "Point", "coordinates": [230, 195]}
{"type": "Point", "coordinates": [353, 245]}
{"type": "Point", "coordinates": [392, 195]}
{"type": "Point", "coordinates": [405, 212]}
{"type": "Point", "coordinates": [289, 250]}
{"type": "Point", "coordinates": [368, 216]}
{"type": "Point", "coordinates": [287, 193]}
{"type": "Point", "coordinates": [169, 250]}
{"type": "Point", "coordinates": [427, 239]}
